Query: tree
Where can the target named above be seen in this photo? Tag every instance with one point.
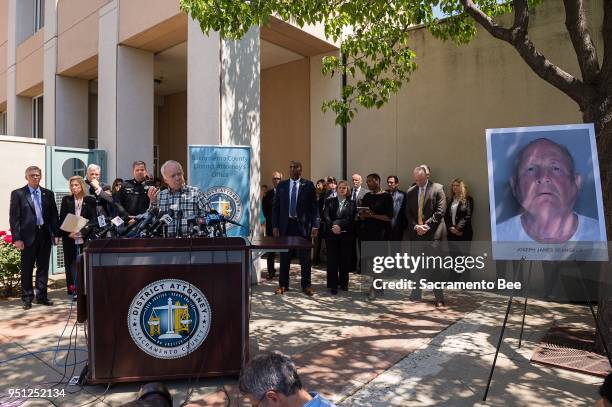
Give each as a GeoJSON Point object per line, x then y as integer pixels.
{"type": "Point", "coordinates": [374, 36]}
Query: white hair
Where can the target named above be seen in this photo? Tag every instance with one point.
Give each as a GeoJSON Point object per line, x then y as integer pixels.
{"type": "Point", "coordinates": [93, 167]}
{"type": "Point", "coordinates": [170, 162]}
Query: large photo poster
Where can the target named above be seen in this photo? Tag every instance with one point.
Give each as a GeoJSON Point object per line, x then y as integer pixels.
{"type": "Point", "coordinates": [545, 193]}
{"type": "Point", "coordinates": [223, 174]}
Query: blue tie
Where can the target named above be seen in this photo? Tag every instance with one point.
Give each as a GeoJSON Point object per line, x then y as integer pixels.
{"type": "Point", "coordinates": [293, 200]}
{"type": "Point", "coordinates": [38, 208]}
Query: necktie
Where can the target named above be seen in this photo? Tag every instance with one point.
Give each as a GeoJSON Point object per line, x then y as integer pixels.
{"type": "Point", "coordinates": [421, 201]}
{"type": "Point", "coordinates": [293, 200]}
{"type": "Point", "coordinates": [38, 208]}
{"type": "Point", "coordinates": [354, 194]}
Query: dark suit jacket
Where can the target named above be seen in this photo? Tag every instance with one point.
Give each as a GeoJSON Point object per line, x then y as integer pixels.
{"type": "Point", "coordinates": [267, 206]}
{"type": "Point", "coordinates": [306, 207]}
{"type": "Point", "coordinates": [22, 216]}
{"type": "Point", "coordinates": [463, 218]}
{"type": "Point", "coordinates": [105, 204]}
{"type": "Point", "coordinates": [434, 208]}
{"type": "Point", "coordinates": [402, 221]}
{"type": "Point", "coordinates": [346, 220]}
{"type": "Point", "coordinates": [360, 194]}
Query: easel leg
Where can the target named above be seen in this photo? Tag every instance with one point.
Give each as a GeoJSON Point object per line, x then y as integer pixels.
{"type": "Point", "coordinates": [525, 305]}
{"type": "Point", "coordinates": [501, 335]}
{"type": "Point", "coordinates": [597, 326]}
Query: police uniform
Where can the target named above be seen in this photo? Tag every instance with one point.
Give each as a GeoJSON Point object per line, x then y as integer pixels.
{"type": "Point", "coordinates": [133, 196]}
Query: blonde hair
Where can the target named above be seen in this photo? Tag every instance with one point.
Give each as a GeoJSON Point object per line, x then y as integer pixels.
{"type": "Point", "coordinates": [464, 190]}
{"type": "Point", "coordinates": [81, 182]}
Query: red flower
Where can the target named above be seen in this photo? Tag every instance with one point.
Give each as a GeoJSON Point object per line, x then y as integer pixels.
{"type": "Point", "coordinates": [2, 233]}
{"type": "Point", "coordinates": [8, 239]}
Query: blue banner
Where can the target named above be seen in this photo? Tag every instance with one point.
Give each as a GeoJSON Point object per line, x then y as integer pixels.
{"type": "Point", "coordinates": [223, 174]}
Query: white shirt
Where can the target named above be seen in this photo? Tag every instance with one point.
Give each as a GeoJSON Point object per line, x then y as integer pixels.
{"type": "Point", "coordinates": [297, 192]}
{"type": "Point", "coordinates": [454, 207]}
{"type": "Point", "coordinates": [512, 230]}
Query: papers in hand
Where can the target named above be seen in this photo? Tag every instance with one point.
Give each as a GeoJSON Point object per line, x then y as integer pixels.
{"type": "Point", "coordinates": [73, 223]}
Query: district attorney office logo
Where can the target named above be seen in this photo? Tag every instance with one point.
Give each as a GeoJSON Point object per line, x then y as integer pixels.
{"type": "Point", "coordinates": [169, 319]}
{"type": "Point", "coordinates": [226, 201]}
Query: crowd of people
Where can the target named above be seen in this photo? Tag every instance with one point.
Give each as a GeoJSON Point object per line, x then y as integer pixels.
{"type": "Point", "coordinates": [342, 215]}
{"type": "Point", "coordinates": [36, 224]}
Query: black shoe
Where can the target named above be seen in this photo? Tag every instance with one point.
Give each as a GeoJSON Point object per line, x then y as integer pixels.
{"type": "Point", "coordinates": [344, 288]}
{"type": "Point", "coordinates": [44, 302]}
{"type": "Point", "coordinates": [334, 291]}
{"type": "Point", "coordinates": [27, 305]}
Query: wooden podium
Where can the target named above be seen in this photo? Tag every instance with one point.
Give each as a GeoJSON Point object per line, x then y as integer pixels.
{"type": "Point", "coordinates": [161, 309]}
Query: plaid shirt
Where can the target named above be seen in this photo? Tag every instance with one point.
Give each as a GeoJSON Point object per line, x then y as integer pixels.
{"type": "Point", "coordinates": [188, 199]}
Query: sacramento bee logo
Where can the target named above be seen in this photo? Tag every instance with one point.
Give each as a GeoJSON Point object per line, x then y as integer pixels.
{"type": "Point", "coordinates": [225, 201]}
{"type": "Point", "coordinates": [169, 319]}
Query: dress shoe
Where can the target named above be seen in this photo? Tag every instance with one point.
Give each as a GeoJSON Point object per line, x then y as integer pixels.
{"type": "Point", "coordinates": [344, 288]}
{"type": "Point", "coordinates": [440, 304]}
{"type": "Point", "coordinates": [308, 291]}
{"type": "Point", "coordinates": [281, 290]}
{"type": "Point", "coordinates": [334, 291]}
{"type": "Point", "coordinates": [27, 305]}
{"type": "Point", "coordinates": [44, 302]}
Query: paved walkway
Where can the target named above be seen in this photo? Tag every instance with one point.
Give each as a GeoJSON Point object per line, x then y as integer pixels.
{"type": "Point", "coordinates": [387, 352]}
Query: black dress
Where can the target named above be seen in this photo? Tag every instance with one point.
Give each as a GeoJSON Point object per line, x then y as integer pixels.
{"type": "Point", "coordinates": [375, 229]}
{"type": "Point", "coordinates": [339, 247]}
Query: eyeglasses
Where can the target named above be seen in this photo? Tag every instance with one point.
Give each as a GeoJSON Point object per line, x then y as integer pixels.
{"type": "Point", "coordinates": [275, 179]}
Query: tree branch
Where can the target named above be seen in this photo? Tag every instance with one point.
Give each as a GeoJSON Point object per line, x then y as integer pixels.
{"type": "Point", "coordinates": [606, 66]}
{"type": "Point", "coordinates": [517, 37]}
{"type": "Point", "coordinates": [576, 23]}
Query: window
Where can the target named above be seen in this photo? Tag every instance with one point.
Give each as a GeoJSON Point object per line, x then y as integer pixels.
{"type": "Point", "coordinates": [3, 129]}
{"type": "Point", "coordinates": [39, 14]}
{"type": "Point", "coordinates": [37, 117]}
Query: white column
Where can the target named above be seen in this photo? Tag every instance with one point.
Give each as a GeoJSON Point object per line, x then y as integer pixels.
{"type": "Point", "coordinates": [107, 84]}
{"type": "Point", "coordinates": [49, 72]}
{"type": "Point", "coordinates": [125, 99]}
{"type": "Point", "coordinates": [240, 123]}
{"type": "Point", "coordinates": [71, 112]}
{"type": "Point", "coordinates": [203, 86]}
{"type": "Point", "coordinates": [135, 109]}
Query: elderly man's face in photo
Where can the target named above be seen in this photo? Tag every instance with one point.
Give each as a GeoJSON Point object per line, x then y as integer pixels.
{"type": "Point", "coordinates": [545, 181]}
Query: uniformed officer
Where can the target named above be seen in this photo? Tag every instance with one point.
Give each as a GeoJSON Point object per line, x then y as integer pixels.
{"type": "Point", "coordinates": [133, 194]}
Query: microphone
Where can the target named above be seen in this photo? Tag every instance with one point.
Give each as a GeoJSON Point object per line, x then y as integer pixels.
{"type": "Point", "coordinates": [215, 217]}
{"type": "Point", "coordinates": [155, 224]}
{"type": "Point", "coordinates": [164, 221]}
{"type": "Point", "coordinates": [179, 221]}
{"type": "Point", "coordinates": [148, 217]}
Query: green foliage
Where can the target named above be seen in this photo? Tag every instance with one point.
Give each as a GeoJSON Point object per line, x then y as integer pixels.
{"type": "Point", "coordinates": [374, 36]}
{"type": "Point", "coordinates": [10, 268]}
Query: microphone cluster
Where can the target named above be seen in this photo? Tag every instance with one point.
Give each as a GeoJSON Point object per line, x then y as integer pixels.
{"type": "Point", "coordinates": [155, 223]}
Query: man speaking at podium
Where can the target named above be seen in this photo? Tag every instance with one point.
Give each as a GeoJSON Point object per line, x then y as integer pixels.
{"type": "Point", "coordinates": [180, 200]}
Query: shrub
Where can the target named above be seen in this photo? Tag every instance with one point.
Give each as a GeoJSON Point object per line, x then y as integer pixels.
{"type": "Point", "coordinates": [10, 266]}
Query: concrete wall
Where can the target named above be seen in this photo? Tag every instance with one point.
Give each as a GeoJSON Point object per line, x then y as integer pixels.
{"type": "Point", "coordinates": [325, 136]}
{"type": "Point", "coordinates": [440, 116]}
{"type": "Point", "coordinates": [72, 95]}
{"type": "Point", "coordinates": [30, 65]}
{"type": "Point", "coordinates": [285, 118]}
{"type": "Point", "coordinates": [16, 154]}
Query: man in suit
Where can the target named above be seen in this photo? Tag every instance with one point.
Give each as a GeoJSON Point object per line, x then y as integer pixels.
{"type": "Point", "coordinates": [425, 209]}
{"type": "Point", "coordinates": [357, 195]}
{"type": "Point", "coordinates": [399, 221]}
{"type": "Point", "coordinates": [267, 206]}
{"type": "Point", "coordinates": [34, 225]}
{"type": "Point", "coordinates": [295, 214]}
{"type": "Point", "coordinates": [105, 205]}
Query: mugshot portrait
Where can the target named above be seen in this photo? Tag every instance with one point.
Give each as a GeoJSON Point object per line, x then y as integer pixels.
{"type": "Point", "coordinates": [544, 185]}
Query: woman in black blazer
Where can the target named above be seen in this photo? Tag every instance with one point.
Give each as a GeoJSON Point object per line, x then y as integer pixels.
{"type": "Point", "coordinates": [78, 203]}
{"type": "Point", "coordinates": [339, 215]}
{"type": "Point", "coordinates": [458, 217]}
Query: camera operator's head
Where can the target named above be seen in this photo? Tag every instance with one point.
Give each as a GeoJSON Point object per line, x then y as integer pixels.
{"type": "Point", "coordinates": [271, 379]}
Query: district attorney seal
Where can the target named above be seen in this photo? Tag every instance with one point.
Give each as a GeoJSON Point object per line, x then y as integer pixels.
{"type": "Point", "coordinates": [169, 319]}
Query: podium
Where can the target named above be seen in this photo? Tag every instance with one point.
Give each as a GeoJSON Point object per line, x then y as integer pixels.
{"type": "Point", "coordinates": [162, 309]}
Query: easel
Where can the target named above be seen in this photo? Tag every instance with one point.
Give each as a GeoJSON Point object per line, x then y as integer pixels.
{"type": "Point", "coordinates": [509, 307]}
